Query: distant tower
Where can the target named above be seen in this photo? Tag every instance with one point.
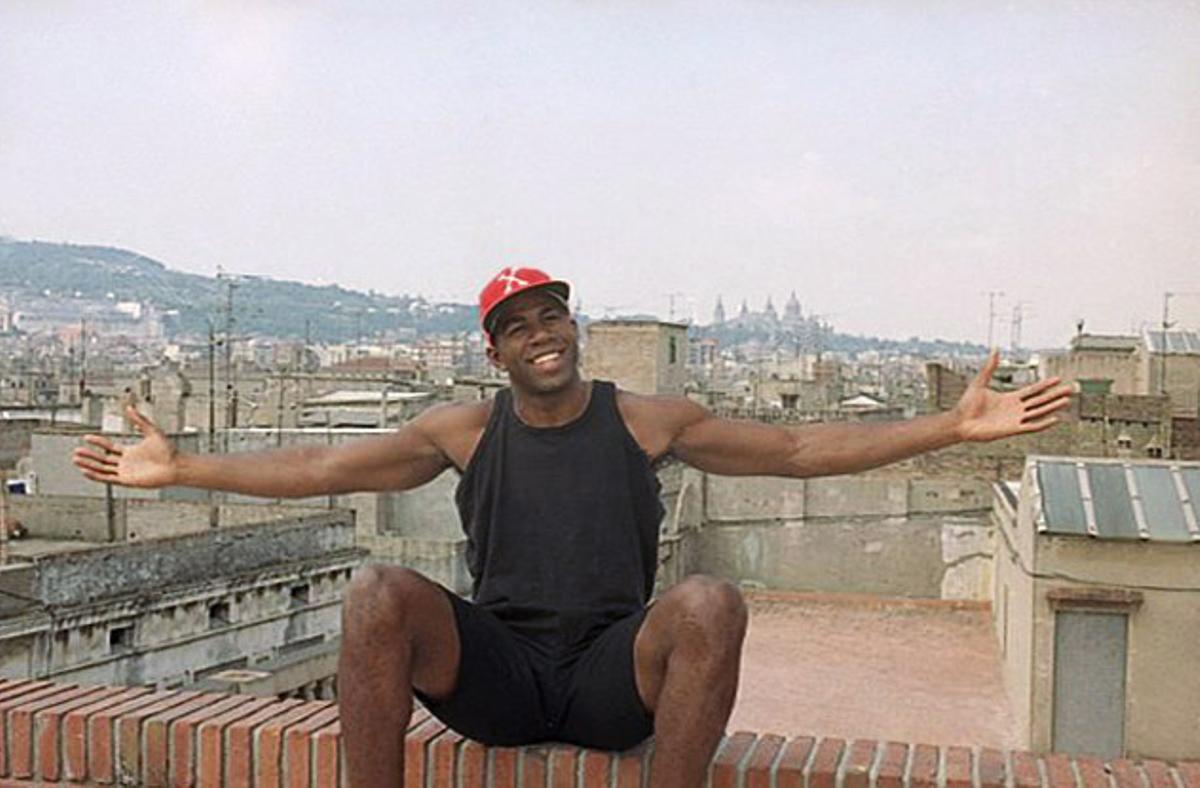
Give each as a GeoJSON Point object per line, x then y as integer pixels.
{"type": "Point", "coordinates": [791, 312]}
{"type": "Point", "coordinates": [770, 312]}
{"type": "Point", "coordinates": [718, 313]}
{"type": "Point", "coordinates": [744, 312]}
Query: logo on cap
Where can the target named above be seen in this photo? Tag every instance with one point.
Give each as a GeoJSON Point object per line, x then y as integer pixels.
{"type": "Point", "coordinates": [508, 283]}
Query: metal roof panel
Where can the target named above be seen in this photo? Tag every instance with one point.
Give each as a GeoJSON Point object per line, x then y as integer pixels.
{"type": "Point", "coordinates": [1111, 497]}
{"type": "Point", "coordinates": [1062, 502]}
{"type": "Point", "coordinates": [1160, 501]}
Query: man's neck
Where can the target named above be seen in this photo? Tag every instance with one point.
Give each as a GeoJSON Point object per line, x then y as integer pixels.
{"type": "Point", "coordinates": [553, 409]}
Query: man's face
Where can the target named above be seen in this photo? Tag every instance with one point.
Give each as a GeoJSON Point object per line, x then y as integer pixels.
{"type": "Point", "coordinates": [536, 341]}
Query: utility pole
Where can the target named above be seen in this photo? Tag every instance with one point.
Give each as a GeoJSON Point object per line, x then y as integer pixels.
{"type": "Point", "coordinates": [212, 387]}
{"type": "Point", "coordinates": [992, 295]}
{"type": "Point", "coordinates": [82, 360]}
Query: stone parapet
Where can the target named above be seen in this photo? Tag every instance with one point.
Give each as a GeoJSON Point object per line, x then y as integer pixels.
{"type": "Point", "coordinates": [132, 736]}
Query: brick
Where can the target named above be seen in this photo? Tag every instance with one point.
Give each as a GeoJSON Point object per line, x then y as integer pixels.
{"type": "Point", "coordinates": [597, 766]}
{"type": "Point", "coordinates": [1059, 773]}
{"type": "Point", "coordinates": [20, 727]}
{"type": "Point", "coordinates": [633, 764]}
{"type": "Point", "coordinates": [1025, 772]}
{"type": "Point", "coordinates": [958, 767]}
{"type": "Point", "coordinates": [326, 766]}
{"type": "Point", "coordinates": [758, 765]}
{"type": "Point", "coordinates": [1127, 774]}
{"type": "Point", "coordinates": [183, 735]}
{"type": "Point", "coordinates": [564, 764]}
{"type": "Point", "coordinates": [857, 771]}
{"type": "Point", "coordinates": [266, 742]}
{"type": "Point", "coordinates": [415, 765]}
{"type": "Point", "coordinates": [992, 768]}
{"type": "Point", "coordinates": [823, 773]}
{"type": "Point", "coordinates": [723, 771]}
{"type": "Point", "coordinates": [210, 771]}
{"type": "Point", "coordinates": [1158, 774]}
{"type": "Point", "coordinates": [298, 747]}
{"type": "Point", "coordinates": [1092, 773]}
{"type": "Point", "coordinates": [48, 726]}
{"type": "Point", "coordinates": [503, 767]}
{"type": "Point", "coordinates": [923, 773]}
{"type": "Point", "coordinates": [892, 765]}
{"type": "Point", "coordinates": [444, 757]}
{"type": "Point", "coordinates": [239, 742]}
{"type": "Point", "coordinates": [77, 722]}
{"type": "Point", "coordinates": [472, 765]}
{"type": "Point", "coordinates": [126, 728]}
{"type": "Point", "coordinates": [1189, 773]}
{"type": "Point", "coordinates": [790, 772]}
{"type": "Point", "coordinates": [20, 696]}
{"type": "Point", "coordinates": [535, 767]}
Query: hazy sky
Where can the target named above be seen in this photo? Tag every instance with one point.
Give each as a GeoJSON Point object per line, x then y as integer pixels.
{"type": "Point", "coordinates": [890, 161]}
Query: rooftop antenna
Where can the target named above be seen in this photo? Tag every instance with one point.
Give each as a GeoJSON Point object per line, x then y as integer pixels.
{"type": "Point", "coordinates": [992, 295]}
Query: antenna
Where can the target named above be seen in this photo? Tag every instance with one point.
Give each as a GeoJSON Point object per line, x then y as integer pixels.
{"type": "Point", "coordinates": [992, 295]}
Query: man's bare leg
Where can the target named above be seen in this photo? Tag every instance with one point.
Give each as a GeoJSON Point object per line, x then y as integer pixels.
{"type": "Point", "coordinates": [398, 631]}
{"type": "Point", "coordinates": [687, 655]}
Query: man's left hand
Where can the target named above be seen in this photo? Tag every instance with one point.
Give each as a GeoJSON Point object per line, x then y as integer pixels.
{"type": "Point", "coordinates": [985, 415]}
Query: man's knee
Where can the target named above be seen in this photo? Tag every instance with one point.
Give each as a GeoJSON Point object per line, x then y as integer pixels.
{"type": "Point", "coordinates": [710, 610]}
{"type": "Point", "coordinates": [385, 597]}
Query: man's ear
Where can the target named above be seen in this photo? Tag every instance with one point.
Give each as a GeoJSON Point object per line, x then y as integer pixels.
{"type": "Point", "coordinates": [494, 357]}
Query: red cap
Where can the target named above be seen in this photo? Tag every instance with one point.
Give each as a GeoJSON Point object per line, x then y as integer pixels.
{"type": "Point", "coordinates": [511, 281]}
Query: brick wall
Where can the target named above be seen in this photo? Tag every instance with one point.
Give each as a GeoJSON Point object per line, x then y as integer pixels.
{"type": "Point", "coordinates": [65, 734]}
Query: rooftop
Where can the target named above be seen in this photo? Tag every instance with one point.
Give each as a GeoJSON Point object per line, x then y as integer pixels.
{"type": "Point", "coordinates": [830, 662]}
{"type": "Point", "coordinates": [1150, 500]}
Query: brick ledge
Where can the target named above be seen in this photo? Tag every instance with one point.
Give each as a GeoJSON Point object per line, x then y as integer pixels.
{"type": "Point", "coordinates": [53, 733]}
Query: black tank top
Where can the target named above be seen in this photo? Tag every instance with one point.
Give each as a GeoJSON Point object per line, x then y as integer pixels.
{"type": "Point", "coordinates": [561, 522]}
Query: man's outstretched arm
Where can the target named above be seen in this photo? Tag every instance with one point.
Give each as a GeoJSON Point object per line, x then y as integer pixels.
{"type": "Point", "coordinates": [401, 460]}
{"type": "Point", "coordinates": [749, 448]}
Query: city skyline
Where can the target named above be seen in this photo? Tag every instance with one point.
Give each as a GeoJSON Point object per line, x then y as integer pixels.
{"type": "Point", "coordinates": [891, 165]}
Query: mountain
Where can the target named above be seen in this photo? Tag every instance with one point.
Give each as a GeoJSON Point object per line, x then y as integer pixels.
{"type": "Point", "coordinates": [36, 270]}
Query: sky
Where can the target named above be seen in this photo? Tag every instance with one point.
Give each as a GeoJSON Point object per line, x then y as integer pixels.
{"type": "Point", "coordinates": [890, 162]}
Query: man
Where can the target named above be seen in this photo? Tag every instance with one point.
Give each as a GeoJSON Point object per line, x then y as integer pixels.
{"type": "Point", "coordinates": [560, 504]}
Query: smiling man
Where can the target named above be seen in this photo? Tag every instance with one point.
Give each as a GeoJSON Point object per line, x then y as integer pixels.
{"type": "Point", "coordinates": [560, 503]}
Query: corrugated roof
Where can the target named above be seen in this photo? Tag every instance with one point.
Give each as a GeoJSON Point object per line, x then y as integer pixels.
{"type": "Point", "coordinates": [1177, 342]}
{"type": "Point", "coordinates": [1107, 499]}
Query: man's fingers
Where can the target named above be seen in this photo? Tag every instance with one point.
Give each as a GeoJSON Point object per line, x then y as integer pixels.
{"type": "Point", "coordinates": [143, 424]}
{"type": "Point", "coordinates": [92, 469]}
{"type": "Point", "coordinates": [1032, 414]}
{"type": "Point", "coordinates": [1033, 389]}
{"type": "Point", "coordinates": [989, 368]}
{"type": "Point", "coordinates": [1062, 393]}
{"type": "Point", "coordinates": [88, 455]}
{"type": "Point", "coordinates": [101, 442]}
{"type": "Point", "coordinates": [1039, 424]}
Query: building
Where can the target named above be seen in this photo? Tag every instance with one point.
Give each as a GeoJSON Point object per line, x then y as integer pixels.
{"type": "Point", "coordinates": [643, 356]}
{"type": "Point", "coordinates": [90, 601]}
{"type": "Point", "coordinates": [1097, 605]}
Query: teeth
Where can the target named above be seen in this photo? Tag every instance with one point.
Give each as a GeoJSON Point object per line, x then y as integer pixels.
{"type": "Point", "coordinates": [546, 357]}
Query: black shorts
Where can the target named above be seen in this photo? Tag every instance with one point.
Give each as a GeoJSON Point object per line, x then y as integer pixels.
{"type": "Point", "coordinates": [513, 689]}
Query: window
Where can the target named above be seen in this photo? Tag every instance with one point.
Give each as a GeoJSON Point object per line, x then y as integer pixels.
{"type": "Point", "coordinates": [672, 350]}
{"type": "Point", "coordinates": [299, 596]}
{"type": "Point", "coordinates": [120, 639]}
{"type": "Point", "coordinates": [218, 615]}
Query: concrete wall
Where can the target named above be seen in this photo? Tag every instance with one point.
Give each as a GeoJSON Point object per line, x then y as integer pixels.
{"type": "Point", "coordinates": [854, 534]}
{"type": "Point", "coordinates": [87, 518]}
{"type": "Point", "coordinates": [56, 475]}
{"type": "Point", "coordinates": [1012, 614]}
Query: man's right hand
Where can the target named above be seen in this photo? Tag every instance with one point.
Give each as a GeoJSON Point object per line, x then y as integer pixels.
{"type": "Point", "coordinates": [147, 463]}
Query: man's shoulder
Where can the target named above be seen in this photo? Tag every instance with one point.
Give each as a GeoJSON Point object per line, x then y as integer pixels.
{"type": "Point", "coordinates": [656, 419]}
{"type": "Point", "coordinates": [448, 418]}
